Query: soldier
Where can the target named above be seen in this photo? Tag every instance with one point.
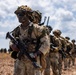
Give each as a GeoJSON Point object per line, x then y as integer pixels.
{"type": "Point", "coordinates": [47, 69]}
{"type": "Point", "coordinates": [73, 52]}
{"type": "Point", "coordinates": [63, 48]}
{"type": "Point", "coordinates": [55, 46]}
{"type": "Point", "coordinates": [68, 55]}
{"type": "Point", "coordinates": [62, 51]}
{"type": "Point", "coordinates": [37, 16]}
{"type": "Point", "coordinates": [36, 40]}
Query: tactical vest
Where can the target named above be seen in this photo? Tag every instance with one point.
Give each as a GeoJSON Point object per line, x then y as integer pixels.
{"type": "Point", "coordinates": [32, 43]}
{"type": "Point", "coordinates": [26, 37]}
{"type": "Point", "coordinates": [63, 42]}
{"type": "Point", "coordinates": [55, 42]}
{"type": "Point", "coordinates": [69, 46]}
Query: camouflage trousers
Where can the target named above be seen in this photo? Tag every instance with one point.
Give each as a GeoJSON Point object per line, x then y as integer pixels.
{"type": "Point", "coordinates": [25, 67]}
{"type": "Point", "coordinates": [60, 64]}
{"type": "Point", "coordinates": [54, 63]}
{"type": "Point", "coordinates": [47, 69]}
{"type": "Point", "coordinates": [67, 63]}
{"type": "Point", "coordinates": [73, 60]}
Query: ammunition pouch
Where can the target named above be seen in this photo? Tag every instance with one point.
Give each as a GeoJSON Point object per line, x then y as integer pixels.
{"type": "Point", "coordinates": [32, 41]}
{"type": "Point", "coordinates": [14, 54]}
{"type": "Point", "coordinates": [54, 49]}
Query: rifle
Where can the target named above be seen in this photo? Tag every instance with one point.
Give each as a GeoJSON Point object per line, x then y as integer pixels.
{"type": "Point", "coordinates": [23, 49]}
{"type": "Point", "coordinates": [43, 22]}
{"type": "Point", "coordinates": [47, 21]}
{"type": "Point", "coordinates": [62, 53]}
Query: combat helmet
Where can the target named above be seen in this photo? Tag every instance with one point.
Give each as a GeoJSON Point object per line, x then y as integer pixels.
{"type": "Point", "coordinates": [58, 32]}
{"type": "Point", "coordinates": [68, 38]}
{"type": "Point", "coordinates": [37, 15]}
{"type": "Point", "coordinates": [49, 29]}
{"type": "Point", "coordinates": [24, 10]}
{"type": "Point", "coordinates": [73, 40]}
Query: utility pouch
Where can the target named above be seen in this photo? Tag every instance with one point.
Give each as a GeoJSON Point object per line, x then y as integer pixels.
{"type": "Point", "coordinates": [14, 54]}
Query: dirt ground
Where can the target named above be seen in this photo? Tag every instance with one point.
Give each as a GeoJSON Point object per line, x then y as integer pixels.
{"type": "Point", "coordinates": [7, 63]}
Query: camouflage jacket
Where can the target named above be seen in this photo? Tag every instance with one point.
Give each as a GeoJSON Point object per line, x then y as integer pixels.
{"type": "Point", "coordinates": [31, 35]}
{"type": "Point", "coordinates": [63, 42]}
{"type": "Point", "coordinates": [56, 43]}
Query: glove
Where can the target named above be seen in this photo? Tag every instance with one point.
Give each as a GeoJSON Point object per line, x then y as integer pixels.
{"type": "Point", "coordinates": [34, 55]}
{"type": "Point", "coordinates": [14, 55]}
{"type": "Point", "coordinates": [14, 47]}
{"type": "Point", "coordinates": [55, 49]}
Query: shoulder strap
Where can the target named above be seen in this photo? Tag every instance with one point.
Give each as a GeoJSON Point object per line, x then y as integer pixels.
{"type": "Point", "coordinates": [16, 31]}
{"type": "Point", "coordinates": [30, 30]}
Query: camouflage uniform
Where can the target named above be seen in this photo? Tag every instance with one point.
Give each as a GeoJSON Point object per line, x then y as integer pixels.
{"type": "Point", "coordinates": [31, 34]}
{"type": "Point", "coordinates": [55, 46]}
{"type": "Point", "coordinates": [68, 49]}
{"type": "Point", "coordinates": [37, 16]}
{"type": "Point", "coordinates": [63, 48]}
{"type": "Point", "coordinates": [47, 69]}
{"type": "Point", "coordinates": [63, 57]}
{"type": "Point", "coordinates": [73, 52]}
{"type": "Point", "coordinates": [37, 19]}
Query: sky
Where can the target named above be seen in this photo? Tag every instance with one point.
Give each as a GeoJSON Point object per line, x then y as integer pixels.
{"type": "Point", "coordinates": [62, 15]}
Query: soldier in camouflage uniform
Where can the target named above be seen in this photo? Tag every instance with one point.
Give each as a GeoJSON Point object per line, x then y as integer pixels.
{"type": "Point", "coordinates": [37, 15]}
{"type": "Point", "coordinates": [37, 19]}
{"type": "Point", "coordinates": [73, 52]}
{"type": "Point", "coordinates": [55, 46]}
{"type": "Point", "coordinates": [36, 40]}
{"type": "Point", "coordinates": [63, 49]}
{"type": "Point", "coordinates": [47, 69]}
{"type": "Point", "coordinates": [68, 57]}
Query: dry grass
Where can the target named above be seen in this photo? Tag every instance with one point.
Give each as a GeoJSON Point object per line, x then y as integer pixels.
{"type": "Point", "coordinates": [4, 55]}
{"type": "Point", "coordinates": [7, 66]}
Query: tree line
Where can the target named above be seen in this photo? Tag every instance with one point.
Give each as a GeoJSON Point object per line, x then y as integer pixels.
{"type": "Point", "coordinates": [3, 50]}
